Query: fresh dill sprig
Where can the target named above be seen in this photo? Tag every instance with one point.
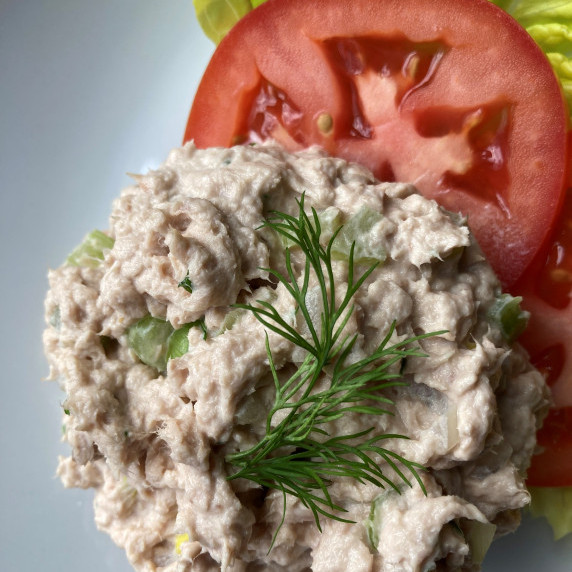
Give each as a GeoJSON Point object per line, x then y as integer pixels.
{"type": "Point", "coordinates": [297, 456]}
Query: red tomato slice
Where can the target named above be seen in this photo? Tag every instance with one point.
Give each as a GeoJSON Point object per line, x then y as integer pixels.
{"type": "Point", "coordinates": [452, 95]}
{"type": "Point", "coordinates": [547, 292]}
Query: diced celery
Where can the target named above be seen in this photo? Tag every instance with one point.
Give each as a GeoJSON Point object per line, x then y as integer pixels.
{"type": "Point", "coordinates": [233, 316]}
{"type": "Point", "coordinates": [149, 339]}
{"type": "Point", "coordinates": [285, 242]}
{"type": "Point", "coordinates": [358, 230]}
{"type": "Point", "coordinates": [555, 504]}
{"type": "Point", "coordinates": [506, 314]}
{"type": "Point", "coordinates": [330, 220]}
{"type": "Point", "coordinates": [155, 341]}
{"type": "Point", "coordinates": [230, 319]}
{"type": "Point", "coordinates": [90, 253]}
{"type": "Point", "coordinates": [373, 523]}
{"type": "Point", "coordinates": [179, 342]}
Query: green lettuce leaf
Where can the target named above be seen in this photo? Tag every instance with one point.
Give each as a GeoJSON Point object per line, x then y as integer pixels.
{"type": "Point", "coordinates": [217, 17]}
{"type": "Point", "coordinates": [549, 22]}
{"type": "Point", "coordinates": [554, 504]}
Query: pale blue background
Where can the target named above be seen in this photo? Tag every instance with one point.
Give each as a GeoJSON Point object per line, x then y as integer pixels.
{"type": "Point", "coordinates": [90, 90]}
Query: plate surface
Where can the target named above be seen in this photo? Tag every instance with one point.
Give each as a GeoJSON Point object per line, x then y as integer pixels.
{"type": "Point", "coordinates": [89, 92]}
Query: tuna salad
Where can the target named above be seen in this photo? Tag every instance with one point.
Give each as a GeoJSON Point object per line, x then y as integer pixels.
{"type": "Point", "coordinates": [272, 361]}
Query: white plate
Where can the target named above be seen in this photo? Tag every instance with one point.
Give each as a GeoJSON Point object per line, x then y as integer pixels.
{"type": "Point", "coordinates": [89, 91]}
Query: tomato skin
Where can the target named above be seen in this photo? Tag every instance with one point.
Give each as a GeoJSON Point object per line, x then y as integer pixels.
{"type": "Point", "coordinates": [477, 126]}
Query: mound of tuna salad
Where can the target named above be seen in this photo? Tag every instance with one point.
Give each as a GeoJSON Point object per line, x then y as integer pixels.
{"type": "Point", "coordinates": [272, 361]}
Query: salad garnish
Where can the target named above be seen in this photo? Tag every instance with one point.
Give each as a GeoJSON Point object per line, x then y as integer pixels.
{"type": "Point", "coordinates": [549, 22]}
{"type": "Point", "coordinates": [297, 456]}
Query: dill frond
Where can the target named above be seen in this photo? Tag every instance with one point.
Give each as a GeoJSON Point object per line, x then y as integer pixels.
{"type": "Point", "coordinates": [297, 456]}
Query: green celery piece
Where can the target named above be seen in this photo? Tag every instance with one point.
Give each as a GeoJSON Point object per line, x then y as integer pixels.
{"type": "Point", "coordinates": [356, 230]}
{"type": "Point", "coordinates": [555, 504]}
{"type": "Point", "coordinates": [507, 315]}
{"type": "Point", "coordinates": [234, 316]}
{"type": "Point", "coordinates": [330, 220]}
{"type": "Point", "coordinates": [179, 342]}
{"type": "Point", "coordinates": [217, 17]}
{"type": "Point", "coordinates": [373, 522]}
{"type": "Point", "coordinates": [90, 253]}
{"type": "Point", "coordinates": [230, 319]}
{"type": "Point", "coordinates": [549, 22]}
{"type": "Point", "coordinates": [149, 338]}
{"type": "Point", "coordinates": [155, 341]}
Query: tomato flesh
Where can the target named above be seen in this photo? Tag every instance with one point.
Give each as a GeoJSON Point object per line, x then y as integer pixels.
{"type": "Point", "coordinates": [475, 138]}
{"type": "Point", "coordinates": [452, 95]}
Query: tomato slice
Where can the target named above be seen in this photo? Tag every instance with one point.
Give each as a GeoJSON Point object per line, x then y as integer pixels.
{"type": "Point", "coordinates": [452, 95]}
{"type": "Point", "coordinates": [547, 291]}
